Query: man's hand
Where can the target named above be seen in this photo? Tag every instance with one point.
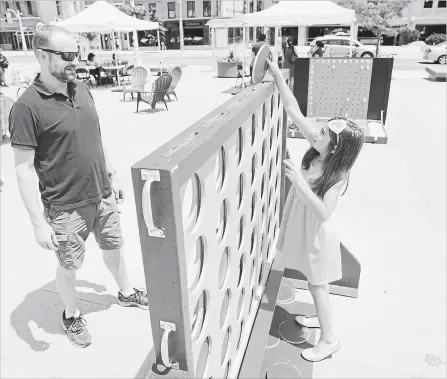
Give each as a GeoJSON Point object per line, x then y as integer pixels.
{"type": "Point", "coordinates": [45, 236]}
{"type": "Point", "coordinates": [117, 189]}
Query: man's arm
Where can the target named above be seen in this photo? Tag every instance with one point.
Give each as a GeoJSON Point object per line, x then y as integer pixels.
{"type": "Point", "coordinates": [26, 179]}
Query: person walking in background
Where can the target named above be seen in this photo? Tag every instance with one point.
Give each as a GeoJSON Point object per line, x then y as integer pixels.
{"type": "Point", "coordinates": [4, 64]}
{"type": "Point", "coordinates": [255, 49]}
{"type": "Point", "coordinates": [289, 60]}
{"type": "Point", "coordinates": [318, 50]}
{"type": "Point", "coordinates": [55, 132]}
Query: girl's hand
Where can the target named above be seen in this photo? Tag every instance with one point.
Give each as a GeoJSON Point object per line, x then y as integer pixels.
{"type": "Point", "coordinates": [294, 174]}
{"type": "Point", "coordinates": [274, 69]}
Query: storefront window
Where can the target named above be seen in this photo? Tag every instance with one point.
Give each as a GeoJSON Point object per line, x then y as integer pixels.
{"type": "Point", "coordinates": [230, 36]}
{"type": "Point", "coordinates": [260, 6]}
{"type": "Point", "coordinates": [29, 8]}
{"type": "Point", "coordinates": [218, 8]}
{"type": "Point", "coordinates": [207, 9]}
{"type": "Point", "coordinates": [428, 4]}
{"type": "Point", "coordinates": [191, 8]}
{"type": "Point", "coordinates": [251, 9]}
{"type": "Point", "coordinates": [171, 9]}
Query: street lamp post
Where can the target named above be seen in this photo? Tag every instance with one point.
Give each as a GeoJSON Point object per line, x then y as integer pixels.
{"type": "Point", "coordinates": [180, 23]}
{"type": "Point", "coordinates": [19, 18]}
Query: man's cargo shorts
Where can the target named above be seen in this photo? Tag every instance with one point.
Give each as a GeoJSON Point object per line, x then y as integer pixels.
{"type": "Point", "coordinates": [72, 227]}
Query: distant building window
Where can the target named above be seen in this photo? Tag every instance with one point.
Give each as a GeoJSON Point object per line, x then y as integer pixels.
{"type": "Point", "coordinates": [442, 4]}
{"type": "Point", "coordinates": [191, 8]}
{"type": "Point", "coordinates": [428, 4]}
{"type": "Point", "coordinates": [207, 9]}
{"type": "Point", "coordinates": [171, 10]}
{"type": "Point", "coordinates": [260, 5]}
{"type": "Point", "coordinates": [218, 8]}
{"type": "Point", "coordinates": [18, 6]}
{"type": "Point", "coordinates": [29, 7]}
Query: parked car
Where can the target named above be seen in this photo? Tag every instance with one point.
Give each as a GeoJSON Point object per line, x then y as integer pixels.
{"type": "Point", "coordinates": [436, 53]}
{"type": "Point", "coordinates": [338, 46]}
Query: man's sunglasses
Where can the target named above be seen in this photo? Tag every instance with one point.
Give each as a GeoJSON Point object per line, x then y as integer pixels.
{"type": "Point", "coordinates": [64, 55]}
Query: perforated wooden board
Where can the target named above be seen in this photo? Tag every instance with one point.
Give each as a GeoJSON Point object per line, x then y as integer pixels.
{"type": "Point", "coordinates": [218, 203]}
{"type": "Point", "coordinates": [339, 87]}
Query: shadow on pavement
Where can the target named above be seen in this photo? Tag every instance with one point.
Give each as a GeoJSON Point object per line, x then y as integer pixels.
{"type": "Point", "coordinates": [44, 307]}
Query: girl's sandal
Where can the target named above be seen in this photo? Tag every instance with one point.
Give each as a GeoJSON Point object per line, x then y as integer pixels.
{"type": "Point", "coordinates": [308, 322]}
{"type": "Point", "coordinates": [323, 353]}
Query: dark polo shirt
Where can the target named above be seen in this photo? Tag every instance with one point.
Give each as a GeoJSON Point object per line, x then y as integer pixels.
{"type": "Point", "coordinates": [65, 133]}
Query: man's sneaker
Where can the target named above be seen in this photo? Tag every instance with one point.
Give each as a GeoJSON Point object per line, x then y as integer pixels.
{"type": "Point", "coordinates": [76, 330]}
{"type": "Point", "coordinates": [137, 299]}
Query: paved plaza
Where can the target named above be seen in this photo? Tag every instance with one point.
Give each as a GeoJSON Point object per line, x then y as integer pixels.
{"type": "Point", "coordinates": [392, 218]}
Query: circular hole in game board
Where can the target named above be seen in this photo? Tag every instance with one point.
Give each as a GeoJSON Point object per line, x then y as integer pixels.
{"type": "Point", "coordinates": [224, 308]}
{"type": "Point", "coordinates": [240, 232]}
{"type": "Point", "coordinates": [278, 129]}
{"type": "Point", "coordinates": [254, 162]}
{"type": "Point", "coordinates": [268, 225]}
{"type": "Point", "coordinates": [279, 100]}
{"type": "Point", "coordinates": [270, 196]}
{"type": "Point", "coordinates": [276, 181]}
{"type": "Point", "coordinates": [262, 243]}
{"type": "Point", "coordinates": [240, 190]}
{"type": "Point", "coordinates": [271, 107]}
{"type": "Point", "coordinates": [262, 186]}
{"type": "Point", "coordinates": [239, 145]}
{"type": "Point", "coordinates": [252, 273]}
{"type": "Point", "coordinates": [220, 168]}
{"type": "Point", "coordinates": [270, 168]}
{"type": "Point", "coordinates": [263, 216]}
{"type": "Point", "coordinates": [275, 229]}
{"type": "Point", "coordinates": [263, 153]}
{"type": "Point", "coordinates": [253, 242]}
{"type": "Point", "coordinates": [202, 361]}
{"type": "Point", "coordinates": [253, 206]}
{"type": "Point", "coordinates": [225, 345]}
{"type": "Point", "coordinates": [240, 303]}
{"type": "Point", "coordinates": [198, 317]}
{"type": "Point", "coordinates": [222, 221]}
{"type": "Point", "coordinates": [269, 250]}
{"type": "Point", "coordinates": [241, 269]}
{"type": "Point", "coordinates": [261, 273]}
{"type": "Point", "coordinates": [252, 296]}
{"type": "Point", "coordinates": [253, 128]}
{"type": "Point", "coordinates": [263, 116]}
{"type": "Point", "coordinates": [223, 267]}
{"type": "Point", "coordinates": [191, 202]}
{"type": "Point", "coordinates": [276, 206]}
{"type": "Point", "coordinates": [241, 331]}
{"type": "Point", "coordinates": [277, 156]}
{"type": "Point", "coordinates": [227, 369]}
{"type": "Point", "coordinates": [195, 265]}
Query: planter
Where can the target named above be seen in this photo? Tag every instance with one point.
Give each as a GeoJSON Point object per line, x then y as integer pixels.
{"type": "Point", "coordinates": [227, 69]}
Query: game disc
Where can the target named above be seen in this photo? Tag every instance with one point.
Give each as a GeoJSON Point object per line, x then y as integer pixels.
{"type": "Point", "coordinates": [260, 66]}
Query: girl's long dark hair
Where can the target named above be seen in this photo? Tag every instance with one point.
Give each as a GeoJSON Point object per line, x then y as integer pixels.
{"type": "Point", "coordinates": [339, 160]}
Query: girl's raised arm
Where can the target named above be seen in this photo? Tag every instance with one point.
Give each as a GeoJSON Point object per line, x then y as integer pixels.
{"type": "Point", "coordinates": [293, 110]}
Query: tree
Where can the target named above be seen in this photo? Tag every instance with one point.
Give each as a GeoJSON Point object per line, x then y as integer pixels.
{"type": "Point", "coordinates": [377, 16]}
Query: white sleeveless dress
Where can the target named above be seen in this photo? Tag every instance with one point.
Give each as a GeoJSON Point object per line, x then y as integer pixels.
{"type": "Point", "coordinates": [312, 245]}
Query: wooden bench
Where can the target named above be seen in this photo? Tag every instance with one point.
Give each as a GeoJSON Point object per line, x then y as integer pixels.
{"type": "Point", "coordinates": [437, 72]}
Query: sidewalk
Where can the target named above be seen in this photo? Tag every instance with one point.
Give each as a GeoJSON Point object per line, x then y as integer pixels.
{"type": "Point", "coordinates": [392, 218]}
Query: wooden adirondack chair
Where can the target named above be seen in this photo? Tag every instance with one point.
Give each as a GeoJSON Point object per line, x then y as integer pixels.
{"type": "Point", "coordinates": [137, 81]}
{"type": "Point", "coordinates": [176, 74]}
{"type": "Point", "coordinates": [158, 93]}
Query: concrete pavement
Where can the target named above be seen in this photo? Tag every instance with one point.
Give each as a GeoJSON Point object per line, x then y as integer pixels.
{"type": "Point", "coordinates": [392, 218]}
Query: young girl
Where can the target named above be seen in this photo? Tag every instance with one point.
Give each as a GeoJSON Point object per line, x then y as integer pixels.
{"type": "Point", "coordinates": [307, 228]}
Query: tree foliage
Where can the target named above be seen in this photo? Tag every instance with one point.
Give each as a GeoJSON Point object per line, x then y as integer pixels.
{"type": "Point", "coordinates": [377, 16]}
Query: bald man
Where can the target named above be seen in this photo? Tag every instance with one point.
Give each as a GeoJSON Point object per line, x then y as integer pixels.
{"type": "Point", "coordinates": [55, 132]}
